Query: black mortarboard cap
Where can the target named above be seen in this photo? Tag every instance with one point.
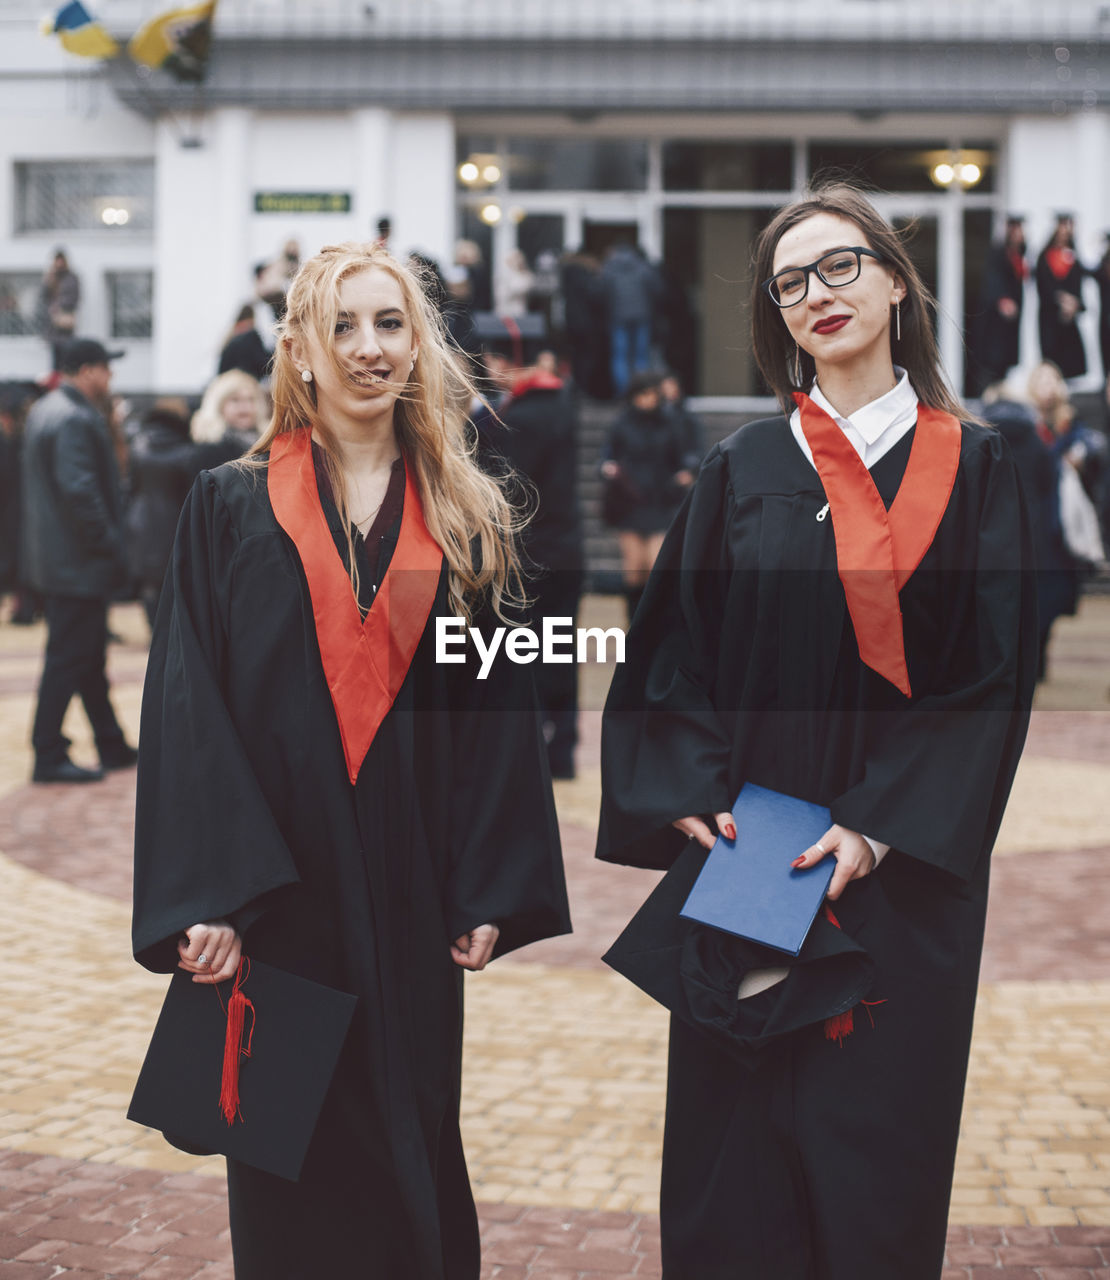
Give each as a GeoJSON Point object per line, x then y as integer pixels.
{"type": "Point", "coordinates": [295, 1037]}
{"type": "Point", "coordinates": [695, 970]}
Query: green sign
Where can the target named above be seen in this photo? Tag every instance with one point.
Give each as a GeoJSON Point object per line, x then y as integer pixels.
{"type": "Point", "coordinates": [302, 202]}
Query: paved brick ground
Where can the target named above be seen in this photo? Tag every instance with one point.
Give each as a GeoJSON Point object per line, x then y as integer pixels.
{"type": "Point", "coordinates": [562, 1097]}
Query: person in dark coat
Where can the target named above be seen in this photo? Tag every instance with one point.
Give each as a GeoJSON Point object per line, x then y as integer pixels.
{"type": "Point", "coordinates": [532, 432]}
{"type": "Point", "coordinates": [9, 505]}
{"type": "Point", "coordinates": [1102, 277]}
{"type": "Point", "coordinates": [1002, 301]}
{"type": "Point", "coordinates": [164, 464]}
{"type": "Point", "coordinates": [244, 348]}
{"type": "Point", "coordinates": [457, 313]}
{"type": "Point", "coordinates": [693, 432]}
{"type": "Point", "coordinates": [74, 553]}
{"type": "Point", "coordinates": [1061, 573]}
{"type": "Point", "coordinates": [842, 612]}
{"type": "Point", "coordinates": [1038, 472]}
{"type": "Point", "coordinates": [584, 324]}
{"type": "Point", "coordinates": [1060, 297]}
{"type": "Point", "coordinates": [317, 792]}
{"type": "Point", "coordinates": [16, 399]}
{"type": "Point", "coordinates": [59, 298]}
{"type": "Point", "coordinates": [632, 289]}
{"type": "Point", "coordinates": [645, 474]}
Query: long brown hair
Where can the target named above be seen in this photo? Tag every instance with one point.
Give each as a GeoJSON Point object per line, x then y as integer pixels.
{"type": "Point", "coordinates": [466, 511]}
{"type": "Point", "coordinates": [916, 351]}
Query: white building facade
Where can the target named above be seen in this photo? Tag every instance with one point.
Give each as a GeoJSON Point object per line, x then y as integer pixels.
{"type": "Point", "coordinates": [678, 125]}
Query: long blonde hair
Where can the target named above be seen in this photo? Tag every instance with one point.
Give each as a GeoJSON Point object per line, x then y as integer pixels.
{"type": "Point", "coordinates": [465, 509]}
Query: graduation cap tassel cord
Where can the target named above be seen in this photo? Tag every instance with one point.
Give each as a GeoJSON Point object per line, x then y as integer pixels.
{"type": "Point", "coordinates": [841, 1025]}
{"type": "Point", "coordinates": [234, 1049]}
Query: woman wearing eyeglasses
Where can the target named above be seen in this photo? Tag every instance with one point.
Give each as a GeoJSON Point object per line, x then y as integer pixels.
{"type": "Point", "coordinates": [841, 612]}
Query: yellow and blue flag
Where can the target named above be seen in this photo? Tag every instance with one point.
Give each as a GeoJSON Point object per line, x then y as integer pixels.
{"type": "Point", "coordinates": [177, 41]}
{"type": "Point", "coordinates": [80, 33]}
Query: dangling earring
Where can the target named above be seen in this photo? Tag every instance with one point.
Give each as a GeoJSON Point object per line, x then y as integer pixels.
{"type": "Point", "coordinates": [797, 365]}
{"type": "Point", "coordinates": [306, 375]}
{"type": "Point", "coordinates": [898, 320]}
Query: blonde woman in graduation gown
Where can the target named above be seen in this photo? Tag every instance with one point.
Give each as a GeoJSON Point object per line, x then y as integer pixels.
{"type": "Point", "coordinates": [843, 612]}
{"type": "Point", "coordinates": [316, 792]}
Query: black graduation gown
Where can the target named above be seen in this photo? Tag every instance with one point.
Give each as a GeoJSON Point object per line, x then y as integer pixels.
{"type": "Point", "coordinates": [1061, 341]}
{"type": "Point", "coordinates": [245, 811]}
{"type": "Point", "coordinates": [999, 335]}
{"type": "Point", "coordinates": [828, 1161]}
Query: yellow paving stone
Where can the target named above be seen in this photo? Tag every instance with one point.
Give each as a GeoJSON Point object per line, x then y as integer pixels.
{"type": "Point", "coordinates": [1056, 804]}
{"type": "Point", "coordinates": [1025, 1196]}
{"type": "Point", "coordinates": [1048, 1215]}
{"type": "Point", "coordinates": [1079, 1197]}
{"type": "Point", "coordinates": [988, 1215]}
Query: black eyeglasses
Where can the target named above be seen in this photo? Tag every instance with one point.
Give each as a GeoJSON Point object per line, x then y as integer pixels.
{"type": "Point", "coordinates": [841, 267]}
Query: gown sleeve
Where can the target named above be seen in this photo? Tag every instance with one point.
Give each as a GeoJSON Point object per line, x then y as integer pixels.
{"type": "Point", "coordinates": [206, 843]}
{"type": "Point", "coordinates": [506, 859]}
{"type": "Point", "coordinates": [665, 753]}
{"type": "Point", "coordinates": [938, 772]}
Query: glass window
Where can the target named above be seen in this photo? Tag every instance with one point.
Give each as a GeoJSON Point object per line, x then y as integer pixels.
{"type": "Point", "coordinates": [19, 303]}
{"type": "Point", "coordinates": [85, 195]}
{"type": "Point", "coordinates": [131, 303]}
{"type": "Point", "coordinates": [565, 164]}
{"type": "Point", "coordinates": [901, 167]}
{"type": "Point", "coordinates": [707, 270]}
{"type": "Point", "coordinates": [728, 166]}
{"type": "Point", "coordinates": [541, 233]}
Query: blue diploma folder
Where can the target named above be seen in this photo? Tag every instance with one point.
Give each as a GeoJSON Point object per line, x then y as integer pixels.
{"type": "Point", "coordinates": [747, 886]}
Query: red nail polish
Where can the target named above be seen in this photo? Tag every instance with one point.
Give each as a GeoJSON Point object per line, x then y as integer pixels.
{"type": "Point", "coordinates": [730, 831]}
{"type": "Point", "coordinates": [799, 860]}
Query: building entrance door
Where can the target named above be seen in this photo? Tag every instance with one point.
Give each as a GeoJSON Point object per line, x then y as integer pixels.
{"type": "Point", "coordinates": [598, 236]}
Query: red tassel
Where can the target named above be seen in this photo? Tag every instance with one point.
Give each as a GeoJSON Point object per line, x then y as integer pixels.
{"type": "Point", "coordinates": [841, 1025]}
{"type": "Point", "coordinates": [234, 1049]}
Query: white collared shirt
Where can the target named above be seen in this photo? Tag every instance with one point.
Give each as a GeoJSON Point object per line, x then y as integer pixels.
{"type": "Point", "coordinates": [872, 430]}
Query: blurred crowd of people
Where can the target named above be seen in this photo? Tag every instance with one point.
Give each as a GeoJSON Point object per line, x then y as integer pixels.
{"type": "Point", "coordinates": [540, 337]}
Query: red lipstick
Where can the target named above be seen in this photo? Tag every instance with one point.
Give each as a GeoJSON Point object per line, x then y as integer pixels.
{"type": "Point", "coordinates": [830, 324]}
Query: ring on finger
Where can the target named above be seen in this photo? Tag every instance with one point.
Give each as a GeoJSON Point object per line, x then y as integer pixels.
{"type": "Point", "coordinates": [820, 847]}
{"type": "Point", "coordinates": [202, 958]}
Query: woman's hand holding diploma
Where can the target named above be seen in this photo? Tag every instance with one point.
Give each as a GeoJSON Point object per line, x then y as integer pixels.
{"type": "Point", "coordinates": [854, 858]}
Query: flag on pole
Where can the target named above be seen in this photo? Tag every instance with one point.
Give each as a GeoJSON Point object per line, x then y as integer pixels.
{"type": "Point", "coordinates": [79, 32]}
{"type": "Point", "coordinates": [178, 41]}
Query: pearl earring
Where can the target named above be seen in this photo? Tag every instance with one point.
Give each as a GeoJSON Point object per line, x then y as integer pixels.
{"type": "Point", "coordinates": [306, 375]}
